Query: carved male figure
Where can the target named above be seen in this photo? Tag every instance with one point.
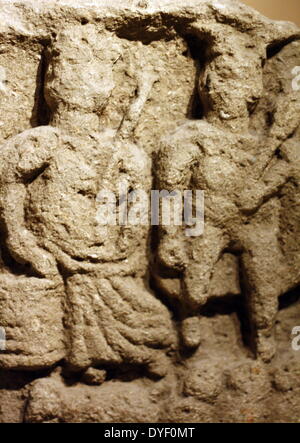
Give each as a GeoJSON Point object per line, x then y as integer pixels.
{"type": "Point", "coordinates": [50, 177]}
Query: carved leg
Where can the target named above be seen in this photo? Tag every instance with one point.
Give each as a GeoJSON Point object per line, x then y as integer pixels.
{"type": "Point", "coordinates": [206, 251]}
{"type": "Point", "coordinates": [262, 270]}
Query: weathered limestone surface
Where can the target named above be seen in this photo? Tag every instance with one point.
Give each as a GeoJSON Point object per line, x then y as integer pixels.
{"type": "Point", "coordinates": [129, 323]}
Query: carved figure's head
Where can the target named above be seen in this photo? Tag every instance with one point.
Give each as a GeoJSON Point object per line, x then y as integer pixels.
{"type": "Point", "coordinates": [80, 70]}
{"type": "Point", "coordinates": [231, 83]}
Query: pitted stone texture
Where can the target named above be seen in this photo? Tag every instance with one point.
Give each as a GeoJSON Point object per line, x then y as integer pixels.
{"type": "Point", "coordinates": [108, 403]}
{"type": "Point", "coordinates": [21, 72]}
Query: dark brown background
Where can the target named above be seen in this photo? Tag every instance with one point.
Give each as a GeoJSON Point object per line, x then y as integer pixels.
{"type": "Point", "coordinates": [277, 9]}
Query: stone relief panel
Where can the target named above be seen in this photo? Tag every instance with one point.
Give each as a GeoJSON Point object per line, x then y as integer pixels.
{"type": "Point", "coordinates": [125, 321]}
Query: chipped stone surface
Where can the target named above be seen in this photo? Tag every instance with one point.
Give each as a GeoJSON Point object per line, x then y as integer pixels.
{"type": "Point", "coordinates": [128, 323]}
